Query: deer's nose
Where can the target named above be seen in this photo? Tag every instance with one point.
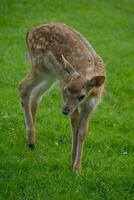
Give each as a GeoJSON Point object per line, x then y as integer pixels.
{"type": "Point", "coordinates": [65, 110]}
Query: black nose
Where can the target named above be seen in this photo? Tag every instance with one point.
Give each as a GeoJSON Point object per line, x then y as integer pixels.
{"type": "Point", "coordinates": [65, 110]}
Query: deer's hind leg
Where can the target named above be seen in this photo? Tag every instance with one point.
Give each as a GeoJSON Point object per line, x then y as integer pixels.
{"type": "Point", "coordinates": [29, 100]}
{"type": "Point", "coordinates": [37, 95]}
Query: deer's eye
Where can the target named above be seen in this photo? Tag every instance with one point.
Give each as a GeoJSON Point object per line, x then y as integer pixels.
{"type": "Point", "coordinates": [81, 97]}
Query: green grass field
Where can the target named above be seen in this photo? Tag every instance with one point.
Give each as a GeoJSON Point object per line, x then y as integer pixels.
{"type": "Point", "coordinates": [108, 160]}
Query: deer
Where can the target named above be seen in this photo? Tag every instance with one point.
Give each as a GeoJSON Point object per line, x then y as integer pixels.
{"type": "Point", "coordinates": [60, 53]}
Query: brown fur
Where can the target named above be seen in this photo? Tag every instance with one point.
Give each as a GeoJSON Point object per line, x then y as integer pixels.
{"type": "Point", "coordinates": [58, 52]}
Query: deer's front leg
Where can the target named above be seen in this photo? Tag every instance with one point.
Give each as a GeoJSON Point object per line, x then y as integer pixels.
{"type": "Point", "coordinates": [82, 129]}
{"type": "Point", "coordinates": [75, 117]}
{"type": "Point", "coordinates": [81, 133]}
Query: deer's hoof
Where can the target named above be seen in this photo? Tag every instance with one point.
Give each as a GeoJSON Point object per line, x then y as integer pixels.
{"type": "Point", "coordinates": [77, 169]}
{"type": "Point", "coordinates": [31, 146]}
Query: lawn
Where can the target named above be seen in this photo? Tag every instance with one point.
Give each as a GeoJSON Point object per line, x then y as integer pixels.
{"type": "Point", "coordinates": [108, 160]}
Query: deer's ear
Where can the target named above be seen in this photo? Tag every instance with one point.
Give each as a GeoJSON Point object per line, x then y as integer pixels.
{"type": "Point", "coordinates": [68, 67]}
{"type": "Point", "coordinates": [96, 81]}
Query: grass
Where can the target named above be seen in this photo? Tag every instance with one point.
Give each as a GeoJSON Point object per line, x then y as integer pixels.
{"type": "Point", "coordinates": [108, 162]}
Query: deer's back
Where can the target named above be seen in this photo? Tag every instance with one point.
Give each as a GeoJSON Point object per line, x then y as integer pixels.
{"type": "Point", "coordinates": [61, 39]}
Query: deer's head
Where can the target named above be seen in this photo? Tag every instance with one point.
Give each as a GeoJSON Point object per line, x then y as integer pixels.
{"type": "Point", "coordinates": [77, 89]}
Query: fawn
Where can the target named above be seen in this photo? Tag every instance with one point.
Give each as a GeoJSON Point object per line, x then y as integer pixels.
{"type": "Point", "coordinates": [58, 52]}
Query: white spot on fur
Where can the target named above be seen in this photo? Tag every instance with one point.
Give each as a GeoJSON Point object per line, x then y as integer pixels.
{"type": "Point", "coordinates": [38, 46]}
{"type": "Point", "coordinates": [34, 45]}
